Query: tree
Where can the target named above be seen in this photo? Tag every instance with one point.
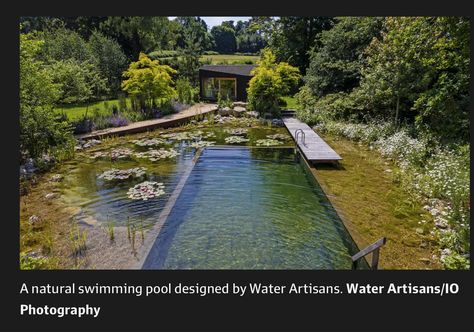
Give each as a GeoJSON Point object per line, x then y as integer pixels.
{"type": "Point", "coordinates": [79, 82]}
{"type": "Point", "coordinates": [224, 38]}
{"type": "Point", "coordinates": [338, 56]}
{"type": "Point", "coordinates": [194, 38]}
{"type": "Point", "coordinates": [270, 82]}
{"type": "Point", "coordinates": [40, 130]}
{"type": "Point", "coordinates": [148, 82]}
{"type": "Point", "coordinates": [109, 57]}
{"type": "Point", "coordinates": [293, 37]}
{"type": "Point", "coordinates": [64, 44]}
{"type": "Point", "coordinates": [139, 33]}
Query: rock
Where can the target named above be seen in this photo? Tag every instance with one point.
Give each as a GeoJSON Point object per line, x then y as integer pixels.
{"type": "Point", "coordinates": [277, 123]}
{"type": "Point", "coordinates": [239, 103]}
{"type": "Point", "coordinates": [419, 230]}
{"type": "Point", "coordinates": [51, 196]}
{"type": "Point", "coordinates": [425, 260]}
{"type": "Point", "coordinates": [90, 143]}
{"type": "Point", "coordinates": [56, 178]}
{"type": "Point", "coordinates": [226, 111]}
{"type": "Point", "coordinates": [239, 111]}
{"type": "Point", "coordinates": [441, 224]}
{"type": "Point", "coordinates": [251, 114]}
{"type": "Point", "coordinates": [388, 170]}
{"type": "Point", "coordinates": [33, 219]}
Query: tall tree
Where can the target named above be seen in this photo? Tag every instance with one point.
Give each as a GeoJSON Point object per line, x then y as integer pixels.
{"type": "Point", "coordinates": [338, 56]}
{"type": "Point", "coordinates": [139, 33]}
{"type": "Point", "coordinates": [294, 36]}
{"type": "Point", "coordinates": [224, 38]}
{"type": "Point", "coordinates": [109, 57]}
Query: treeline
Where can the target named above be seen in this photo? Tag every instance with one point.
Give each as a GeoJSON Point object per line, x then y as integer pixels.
{"type": "Point", "coordinates": [411, 71]}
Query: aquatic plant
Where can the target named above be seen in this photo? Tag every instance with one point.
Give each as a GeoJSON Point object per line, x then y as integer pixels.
{"type": "Point", "coordinates": [148, 142]}
{"type": "Point", "coordinates": [267, 142]}
{"type": "Point", "coordinates": [237, 131]}
{"type": "Point", "coordinates": [235, 140]}
{"type": "Point", "coordinates": [155, 155]}
{"type": "Point", "coordinates": [78, 240]}
{"type": "Point", "coordinates": [110, 230]}
{"type": "Point", "coordinates": [282, 137]}
{"type": "Point", "coordinates": [201, 144]}
{"type": "Point", "coordinates": [122, 174]}
{"type": "Point", "coordinates": [114, 154]}
{"type": "Point", "coordinates": [146, 190]}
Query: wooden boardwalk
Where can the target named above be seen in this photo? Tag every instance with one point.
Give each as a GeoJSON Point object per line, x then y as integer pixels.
{"type": "Point", "coordinates": [314, 148]}
{"type": "Point", "coordinates": [164, 122]}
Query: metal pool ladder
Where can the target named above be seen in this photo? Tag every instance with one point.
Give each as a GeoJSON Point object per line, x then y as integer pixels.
{"type": "Point", "coordinates": [303, 136]}
{"type": "Point", "coordinates": [375, 248]}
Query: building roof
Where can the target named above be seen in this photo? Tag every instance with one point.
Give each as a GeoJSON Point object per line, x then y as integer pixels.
{"type": "Point", "coordinates": [242, 70]}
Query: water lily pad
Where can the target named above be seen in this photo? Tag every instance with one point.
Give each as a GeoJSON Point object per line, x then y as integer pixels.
{"type": "Point", "coordinates": [282, 137]}
{"type": "Point", "coordinates": [267, 142]}
{"type": "Point", "coordinates": [155, 155]}
{"type": "Point", "coordinates": [145, 142]}
{"type": "Point", "coordinates": [201, 144]}
{"type": "Point", "coordinates": [237, 131]}
{"type": "Point", "coordinates": [235, 139]}
{"type": "Point", "coordinates": [122, 174]}
{"type": "Point", "coordinates": [146, 190]}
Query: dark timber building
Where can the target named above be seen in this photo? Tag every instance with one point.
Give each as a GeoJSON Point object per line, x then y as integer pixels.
{"type": "Point", "coordinates": [230, 81]}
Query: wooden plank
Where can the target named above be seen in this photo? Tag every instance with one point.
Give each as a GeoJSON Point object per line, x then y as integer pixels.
{"type": "Point", "coordinates": [164, 122]}
{"type": "Point", "coordinates": [367, 250]}
{"type": "Point", "coordinates": [314, 147]}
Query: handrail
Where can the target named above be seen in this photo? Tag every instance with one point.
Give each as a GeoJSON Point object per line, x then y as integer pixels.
{"type": "Point", "coordinates": [297, 132]}
{"type": "Point", "coordinates": [375, 248]}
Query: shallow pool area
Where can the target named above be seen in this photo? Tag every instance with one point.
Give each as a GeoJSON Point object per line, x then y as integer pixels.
{"type": "Point", "coordinates": [229, 196]}
{"type": "Point", "coordinates": [251, 208]}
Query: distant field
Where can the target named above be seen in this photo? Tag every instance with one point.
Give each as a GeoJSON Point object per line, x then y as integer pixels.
{"type": "Point", "coordinates": [75, 112]}
{"type": "Point", "coordinates": [230, 59]}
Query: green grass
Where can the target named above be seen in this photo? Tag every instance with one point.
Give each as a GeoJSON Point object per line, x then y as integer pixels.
{"type": "Point", "coordinates": [230, 59]}
{"type": "Point", "coordinates": [75, 112]}
{"type": "Point", "coordinates": [290, 102]}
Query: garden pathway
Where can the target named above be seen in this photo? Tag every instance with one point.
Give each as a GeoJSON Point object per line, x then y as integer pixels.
{"type": "Point", "coordinates": [164, 122]}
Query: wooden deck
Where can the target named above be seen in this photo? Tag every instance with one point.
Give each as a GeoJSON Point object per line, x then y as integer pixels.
{"type": "Point", "coordinates": [314, 148]}
{"type": "Point", "coordinates": [164, 122]}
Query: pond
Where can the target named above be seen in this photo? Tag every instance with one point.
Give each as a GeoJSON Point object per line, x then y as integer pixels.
{"type": "Point", "coordinates": [248, 202]}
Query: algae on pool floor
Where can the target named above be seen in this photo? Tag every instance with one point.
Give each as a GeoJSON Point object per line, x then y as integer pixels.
{"type": "Point", "coordinates": [372, 206]}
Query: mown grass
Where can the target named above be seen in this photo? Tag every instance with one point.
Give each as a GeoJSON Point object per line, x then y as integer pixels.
{"type": "Point", "coordinates": [373, 205]}
{"type": "Point", "coordinates": [230, 59]}
{"type": "Point", "coordinates": [290, 102]}
{"type": "Point", "coordinates": [77, 111]}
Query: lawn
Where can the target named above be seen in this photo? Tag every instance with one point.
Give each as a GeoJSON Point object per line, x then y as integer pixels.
{"type": "Point", "coordinates": [75, 112]}
{"type": "Point", "coordinates": [291, 102]}
{"type": "Point", "coordinates": [230, 59]}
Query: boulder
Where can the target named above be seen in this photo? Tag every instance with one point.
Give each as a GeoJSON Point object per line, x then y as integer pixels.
{"type": "Point", "coordinates": [251, 114]}
{"type": "Point", "coordinates": [239, 103]}
{"type": "Point", "coordinates": [226, 111]}
{"type": "Point", "coordinates": [239, 111]}
{"type": "Point", "coordinates": [277, 123]}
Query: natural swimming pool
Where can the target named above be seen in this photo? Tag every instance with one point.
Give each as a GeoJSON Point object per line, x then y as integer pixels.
{"type": "Point", "coordinates": [243, 206]}
{"type": "Point", "coordinates": [251, 208]}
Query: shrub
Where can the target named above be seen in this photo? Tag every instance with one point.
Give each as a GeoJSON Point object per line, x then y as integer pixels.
{"type": "Point", "coordinates": [270, 82]}
{"type": "Point", "coordinates": [187, 94]}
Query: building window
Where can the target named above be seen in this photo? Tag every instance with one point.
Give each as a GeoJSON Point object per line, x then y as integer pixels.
{"type": "Point", "coordinates": [213, 85]}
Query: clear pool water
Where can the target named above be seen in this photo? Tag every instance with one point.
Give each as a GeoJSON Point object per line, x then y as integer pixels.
{"type": "Point", "coordinates": [251, 208]}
